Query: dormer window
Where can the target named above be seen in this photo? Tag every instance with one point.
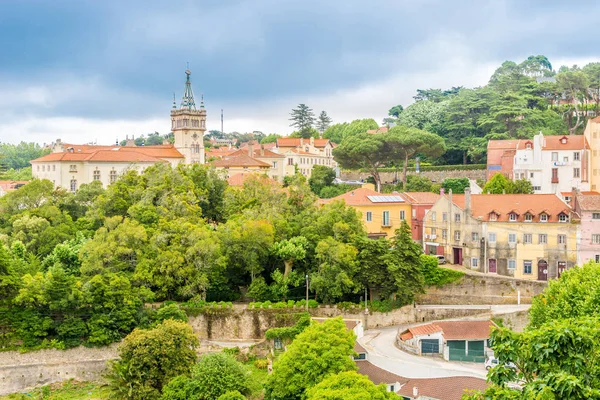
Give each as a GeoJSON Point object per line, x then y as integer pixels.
{"type": "Point", "coordinates": [512, 217]}
{"type": "Point", "coordinates": [563, 140]}
{"type": "Point", "coordinates": [493, 216]}
{"type": "Point", "coordinates": [528, 217]}
{"type": "Point", "coordinates": [563, 217]}
{"type": "Point", "coordinates": [543, 217]}
{"type": "Point", "coordinates": [528, 145]}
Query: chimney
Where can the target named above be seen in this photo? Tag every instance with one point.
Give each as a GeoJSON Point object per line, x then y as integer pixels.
{"type": "Point", "coordinates": [250, 149]}
{"type": "Point", "coordinates": [262, 150]}
{"type": "Point", "coordinates": [468, 200]}
{"type": "Point", "coordinates": [312, 141]}
{"type": "Point", "coordinates": [415, 392]}
{"type": "Point", "coordinates": [129, 142]}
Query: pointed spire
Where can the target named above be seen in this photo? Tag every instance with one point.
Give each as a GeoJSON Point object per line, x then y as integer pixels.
{"type": "Point", "coordinates": [187, 102]}
{"type": "Point", "coordinates": [174, 103]}
{"type": "Point", "coordinates": [202, 100]}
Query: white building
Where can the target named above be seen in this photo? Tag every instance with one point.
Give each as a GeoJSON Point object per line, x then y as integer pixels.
{"type": "Point", "coordinates": [69, 166]}
{"type": "Point", "coordinates": [305, 154]}
{"type": "Point", "coordinates": [553, 164]}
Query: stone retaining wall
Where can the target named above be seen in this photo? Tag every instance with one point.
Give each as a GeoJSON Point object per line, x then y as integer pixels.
{"type": "Point", "coordinates": [436, 176]}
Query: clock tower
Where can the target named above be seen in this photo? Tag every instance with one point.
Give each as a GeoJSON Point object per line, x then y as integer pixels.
{"type": "Point", "coordinates": [189, 124]}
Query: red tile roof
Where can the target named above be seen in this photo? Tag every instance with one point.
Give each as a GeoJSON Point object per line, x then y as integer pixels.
{"type": "Point", "coordinates": [11, 185]}
{"type": "Point", "coordinates": [378, 375]}
{"type": "Point", "coordinates": [420, 197]}
{"type": "Point", "coordinates": [113, 153]}
{"type": "Point", "coordinates": [359, 197]}
{"type": "Point", "coordinates": [358, 348]}
{"type": "Point", "coordinates": [382, 129]}
{"type": "Point", "coordinates": [483, 204]}
{"type": "Point", "coordinates": [241, 160]}
{"type": "Point", "coordinates": [239, 179]}
{"type": "Point", "coordinates": [295, 142]}
{"type": "Point", "coordinates": [257, 153]}
{"type": "Point", "coordinates": [588, 202]}
{"type": "Point", "coordinates": [442, 388]}
{"type": "Point", "coordinates": [573, 142]}
{"type": "Point", "coordinates": [467, 330]}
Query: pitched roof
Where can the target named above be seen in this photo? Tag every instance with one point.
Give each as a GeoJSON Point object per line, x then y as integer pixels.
{"type": "Point", "coordinates": [451, 388]}
{"type": "Point", "coordinates": [241, 160]}
{"type": "Point", "coordinates": [350, 323]}
{"type": "Point", "coordinates": [378, 375]}
{"type": "Point", "coordinates": [503, 144]}
{"type": "Point", "coordinates": [588, 201]}
{"type": "Point", "coordinates": [257, 153]}
{"type": "Point", "coordinates": [573, 142]}
{"type": "Point", "coordinates": [11, 185]}
{"type": "Point", "coordinates": [360, 197]}
{"type": "Point", "coordinates": [113, 153]}
{"type": "Point", "coordinates": [420, 197]}
{"type": "Point", "coordinates": [295, 142]}
{"type": "Point", "coordinates": [382, 129]}
{"type": "Point", "coordinates": [483, 204]}
{"type": "Point", "coordinates": [240, 178]}
{"type": "Point", "coordinates": [459, 330]}
{"type": "Point", "coordinates": [420, 330]}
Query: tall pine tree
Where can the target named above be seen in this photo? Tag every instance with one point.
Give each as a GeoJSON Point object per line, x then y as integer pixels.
{"type": "Point", "coordinates": [303, 119]}
{"type": "Point", "coordinates": [323, 122]}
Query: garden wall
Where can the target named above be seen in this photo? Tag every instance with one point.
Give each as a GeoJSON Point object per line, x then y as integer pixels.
{"type": "Point", "coordinates": [436, 176]}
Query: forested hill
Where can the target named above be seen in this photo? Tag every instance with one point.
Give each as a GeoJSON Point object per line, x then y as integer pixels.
{"type": "Point", "coordinates": [519, 101]}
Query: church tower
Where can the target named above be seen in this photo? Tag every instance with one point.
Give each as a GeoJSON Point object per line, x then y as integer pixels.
{"type": "Point", "coordinates": [189, 124]}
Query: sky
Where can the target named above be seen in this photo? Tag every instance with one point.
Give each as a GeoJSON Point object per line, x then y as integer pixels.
{"type": "Point", "coordinates": [96, 71]}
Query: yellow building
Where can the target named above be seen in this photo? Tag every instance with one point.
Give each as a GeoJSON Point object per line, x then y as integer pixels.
{"type": "Point", "coordinates": [381, 214]}
{"type": "Point", "coordinates": [241, 163]}
{"type": "Point", "coordinates": [528, 236]}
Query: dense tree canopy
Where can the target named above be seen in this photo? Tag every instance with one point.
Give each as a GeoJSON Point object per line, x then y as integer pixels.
{"type": "Point", "coordinates": [349, 386]}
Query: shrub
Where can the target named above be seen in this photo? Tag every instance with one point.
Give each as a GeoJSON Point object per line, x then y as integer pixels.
{"type": "Point", "coordinates": [233, 395]}
{"type": "Point", "coordinates": [434, 275]}
{"type": "Point", "coordinates": [217, 374]}
{"type": "Point", "coordinates": [170, 311]}
{"type": "Point", "coordinates": [262, 363]}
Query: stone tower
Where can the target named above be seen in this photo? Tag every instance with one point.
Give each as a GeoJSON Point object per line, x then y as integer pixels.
{"type": "Point", "coordinates": [189, 124]}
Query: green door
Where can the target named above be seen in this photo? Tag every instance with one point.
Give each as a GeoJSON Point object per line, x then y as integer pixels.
{"type": "Point", "coordinates": [457, 350]}
{"type": "Point", "coordinates": [430, 346]}
{"type": "Point", "coordinates": [476, 351]}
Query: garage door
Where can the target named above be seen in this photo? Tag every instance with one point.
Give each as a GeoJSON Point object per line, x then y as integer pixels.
{"type": "Point", "coordinates": [476, 351]}
{"type": "Point", "coordinates": [456, 350]}
{"type": "Point", "coordinates": [430, 346]}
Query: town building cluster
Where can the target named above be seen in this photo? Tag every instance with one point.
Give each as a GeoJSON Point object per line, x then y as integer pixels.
{"type": "Point", "coordinates": [71, 165]}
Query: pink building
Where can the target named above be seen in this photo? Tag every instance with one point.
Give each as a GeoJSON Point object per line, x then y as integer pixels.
{"type": "Point", "coordinates": [420, 203]}
{"type": "Point", "coordinates": [587, 205]}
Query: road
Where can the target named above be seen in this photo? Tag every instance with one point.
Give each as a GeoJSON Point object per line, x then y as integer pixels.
{"type": "Point", "coordinates": [384, 354]}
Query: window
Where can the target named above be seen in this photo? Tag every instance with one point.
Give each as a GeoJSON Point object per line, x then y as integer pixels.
{"type": "Point", "coordinates": [274, 164]}
{"type": "Point", "coordinates": [474, 236]}
{"type": "Point", "coordinates": [73, 185]}
{"type": "Point", "coordinates": [414, 212]}
{"type": "Point", "coordinates": [433, 231]}
{"type": "Point", "coordinates": [96, 175]}
{"type": "Point", "coordinates": [527, 266]}
{"type": "Point", "coordinates": [528, 217]}
{"type": "Point", "coordinates": [185, 123]}
{"type": "Point", "coordinates": [457, 218]}
{"type": "Point", "coordinates": [444, 217]}
{"type": "Point", "coordinates": [562, 218]}
{"type": "Point", "coordinates": [72, 168]}
{"type": "Point", "coordinates": [433, 215]}
{"type": "Point", "coordinates": [38, 168]}
{"type": "Point", "coordinates": [512, 238]}
{"type": "Point", "coordinates": [512, 217]}
{"type": "Point", "coordinates": [369, 216]}
{"type": "Point", "coordinates": [195, 123]}
{"type": "Point", "coordinates": [531, 175]}
{"type": "Point", "coordinates": [597, 258]}
{"type": "Point", "coordinates": [53, 168]}
{"type": "Point", "coordinates": [203, 124]}
{"type": "Point", "coordinates": [543, 238]}
{"type": "Point", "coordinates": [538, 188]}
{"type": "Point", "coordinates": [596, 239]}
{"type": "Point", "coordinates": [444, 233]}
{"type": "Point", "coordinates": [474, 262]}
{"type": "Point", "coordinates": [596, 216]}
{"type": "Point", "coordinates": [562, 239]}
{"type": "Point", "coordinates": [512, 264]}
{"type": "Point", "coordinates": [576, 156]}
{"type": "Point", "coordinates": [566, 159]}
{"type": "Point", "coordinates": [576, 173]}
{"type": "Point", "coordinates": [493, 216]}
{"type": "Point", "coordinates": [290, 161]}
{"type": "Point", "coordinates": [554, 156]}
{"type": "Point", "coordinates": [113, 176]}
{"type": "Point", "coordinates": [402, 215]}
{"type": "Point", "coordinates": [386, 218]}
{"type": "Point", "coordinates": [491, 237]}
{"type": "Point", "coordinates": [528, 146]}
{"type": "Point", "coordinates": [43, 168]}
{"type": "Point", "coordinates": [544, 218]}
{"type": "Point", "coordinates": [527, 238]}
{"type": "Point", "coordinates": [277, 343]}
{"type": "Point", "coordinates": [457, 236]}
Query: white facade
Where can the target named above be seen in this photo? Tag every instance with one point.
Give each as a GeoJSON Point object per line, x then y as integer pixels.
{"type": "Point", "coordinates": [552, 169]}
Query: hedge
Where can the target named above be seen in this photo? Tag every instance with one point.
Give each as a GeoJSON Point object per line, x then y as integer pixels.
{"type": "Point", "coordinates": [457, 167]}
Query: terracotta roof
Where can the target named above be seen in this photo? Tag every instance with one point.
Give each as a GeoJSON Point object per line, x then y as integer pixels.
{"type": "Point", "coordinates": [503, 144]}
{"type": "Point", "coordinates": [113, 153]}
{"type": "Point", "coordinates": [241, 160]}
{"type": "Point", "coordinates": [406, 335]}
{"type": "Point", "coordinates": [383, 129]}
{"type": "Point", "coordinates": [350, 323]}
{"type": "Point", "coordinates": [451, 388]}
{"type": "Point", "coordinates": [483, 204]}
{"type": "Point", "coordinates": [420, 197]}
{"type": "Point", "coordinates": [239, 179]}
{"type": "Point", "coordinates": [11, 185]}
{"type": "Point", "coordinates": [358, 348]}
{"type": "Point", "coordinates": [378, 375]}
{"type": "Point", "coordinates": [295, 142]}
{"type": "Point", "coordinates": [574, 142]}
{"type": "Point", "coordinates": [421, 330]}
{"type": "Point", "coordinates": [458, 330]}
{"type": "Point", "coordinates": [588, 202]}
{"type": "Point", "coordinates": [359, 197]}
{"type": "Point", "coordinates": [257, 153]}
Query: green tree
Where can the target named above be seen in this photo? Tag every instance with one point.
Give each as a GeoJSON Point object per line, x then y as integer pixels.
{"type": "Point", "coordinates": [303, 119]}
{"type": "Point", "coordinates": [370, 152]}
{"type": "Point", "coordinates": [338, 132]}
{"type": "Point", "coordinates": [321, 176]}
{"type": "Point", "coordinates": [498, 184]}
{"type": "Point", "coordinates": [425, 115]}
{"type": "Point", "coordinates": [337, 267]}
{"type": "Point", "coordinates": [405, 265]}
{"type": "Point", "coordinates": [234, 395]}
{"type": "Point", "coordinates": [573, 85]}
{"type": "Point", "coordinates": [557, 360]}
{"type": "Point", "coordinates": [375, 267]}
{"type": "Point", "coordinates": [149, 359]}
{"type": "Point", "coordinates": [323, 122]}
{"type": "Point", "coordinates": [290, 251]}
{"type": "Point", "coordinates": [521, 186]}
{"type": "Point", "coordinates": [9, 279]}
{"type": "Point", "coordinates": [349, 386]}
{"type": "Point", "coordinates": [592, 73]}
{"type": "Point", "coordinates": [418, 183]}
{"type": "Point", "coordinates": [218, 373]}
{"type": "Point", "coordinates": [320, 350]}
{"type": "Point", "coordinates": [19, 156]}
{"type": "Point", "coordinates": [457, 185]}
{"type": "Point", "coordinates": [270, 138]}
{"type": "Point", "coordinates": [395, 111]}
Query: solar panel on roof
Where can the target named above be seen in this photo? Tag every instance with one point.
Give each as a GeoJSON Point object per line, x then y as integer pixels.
{"type": "Point", "coordinates": [386, 199]}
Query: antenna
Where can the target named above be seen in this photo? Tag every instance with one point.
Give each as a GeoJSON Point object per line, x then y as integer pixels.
{"type": "Point", "coordinates": [222, 122]}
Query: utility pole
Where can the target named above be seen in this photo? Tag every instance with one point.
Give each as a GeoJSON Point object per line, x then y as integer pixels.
{"type": "Point", "coordinates": [306, 304]}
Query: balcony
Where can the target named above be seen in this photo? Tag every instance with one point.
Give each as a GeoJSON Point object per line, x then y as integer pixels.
{"type": "Point", "coordinates": [554, 179]}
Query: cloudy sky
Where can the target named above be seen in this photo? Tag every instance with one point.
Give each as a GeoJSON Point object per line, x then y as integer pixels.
{"type": "Point", "coordinates": [99, 70]}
